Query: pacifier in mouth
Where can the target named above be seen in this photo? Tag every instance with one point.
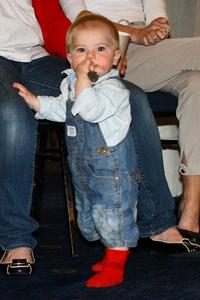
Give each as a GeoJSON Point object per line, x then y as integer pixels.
{"type": "Point", "coordinates": [93, 76]}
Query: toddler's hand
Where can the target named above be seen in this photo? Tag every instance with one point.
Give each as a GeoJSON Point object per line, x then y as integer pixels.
{"type": "Point", "coordinates": [83, 68]}
{"type": "Point", "coordinates": [28, 97]}
{"type": "Point", "coordinates": [82, 81]}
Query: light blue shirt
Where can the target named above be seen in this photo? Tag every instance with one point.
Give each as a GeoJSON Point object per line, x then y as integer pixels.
{"type": "Point", "coordinates": [106, 102]}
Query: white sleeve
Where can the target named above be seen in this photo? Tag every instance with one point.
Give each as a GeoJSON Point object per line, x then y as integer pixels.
{"type": "Point", "coordinates": [52, 108]}
{"type": "Point", "coordinates": [96, 104]}
{"type": "Point", "coordinates": [72, 8]}
{"type": "Point", "coordinates": [154, 9]}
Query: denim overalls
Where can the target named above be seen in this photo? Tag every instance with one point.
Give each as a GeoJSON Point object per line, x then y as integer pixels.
{"type": "Point", "coordinates": [106, 183]}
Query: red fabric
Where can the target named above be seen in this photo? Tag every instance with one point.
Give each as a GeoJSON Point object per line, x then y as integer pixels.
{"type": "Point", "coordinates": [98, 267]}
{"type": "Point", "coordinates": [112, 271]}
{"type": "Point", "coordinates": [54, 25]}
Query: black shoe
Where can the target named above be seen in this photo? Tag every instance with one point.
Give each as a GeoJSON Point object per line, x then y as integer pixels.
{"type": "Point", "coordinates": [17, 266]}
{"type": "Point", "coordinates": [194, 237]}
{"type": "Point", "coordinates": [184, 247]}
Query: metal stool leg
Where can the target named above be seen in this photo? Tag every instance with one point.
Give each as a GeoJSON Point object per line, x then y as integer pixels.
{"type": "Point", "coordinates": [69, 193]}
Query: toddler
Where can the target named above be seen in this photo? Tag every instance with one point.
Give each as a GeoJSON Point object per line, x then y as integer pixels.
{"type": "Point", "coordinates": [95, 106]}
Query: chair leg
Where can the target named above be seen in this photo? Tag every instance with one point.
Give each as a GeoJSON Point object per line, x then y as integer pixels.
{"type": "Point", "coordinates": [170, 144]}
{"type": "Point", "coordinates": [39, 172]}
{"type": "Point", "coordinates": [69, 192]}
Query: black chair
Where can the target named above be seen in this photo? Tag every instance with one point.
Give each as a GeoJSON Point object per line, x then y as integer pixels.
{"type": "Point", "coordinates": [164, 107]}
{"type": "Point", "coordinates": [47, 133]}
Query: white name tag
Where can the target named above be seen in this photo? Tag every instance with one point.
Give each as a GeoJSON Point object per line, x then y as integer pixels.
{"type": "Point", "coordinates": [71, 131]}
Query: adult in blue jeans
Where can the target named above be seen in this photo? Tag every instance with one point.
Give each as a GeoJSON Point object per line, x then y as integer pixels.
{"type": "Point", "coordinates": [23, 59]}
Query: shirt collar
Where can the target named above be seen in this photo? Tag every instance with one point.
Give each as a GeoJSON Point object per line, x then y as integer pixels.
{"type": "Point", "coordinates": [71, 75]}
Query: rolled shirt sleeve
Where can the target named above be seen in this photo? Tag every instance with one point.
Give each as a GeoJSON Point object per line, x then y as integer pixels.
{"type": "Point", "coordinates": [51, 108]}
{"type": "Point", "coordinates": [72, 8]}
{"type": "Point", "coordinates": [54, 108]}
{"type": "Point", "coordinates": [154, 9]}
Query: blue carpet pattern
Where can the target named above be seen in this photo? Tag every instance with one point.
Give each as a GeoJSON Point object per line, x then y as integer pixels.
{"type": "Point", "coordinates": [58, 276]}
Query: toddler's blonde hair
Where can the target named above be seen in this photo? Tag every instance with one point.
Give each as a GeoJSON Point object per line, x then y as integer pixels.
{"type": "Point", "coordinates": [88, 22]}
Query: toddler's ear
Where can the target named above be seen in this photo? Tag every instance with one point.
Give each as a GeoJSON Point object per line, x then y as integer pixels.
{"type": "Point", "coordinates": [116, 57]}
{"type": "Point", "coordinates": [68, 55]}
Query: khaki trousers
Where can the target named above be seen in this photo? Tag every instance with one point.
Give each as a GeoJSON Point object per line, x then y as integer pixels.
{"type": "Point", "coordinates": [173, 65]}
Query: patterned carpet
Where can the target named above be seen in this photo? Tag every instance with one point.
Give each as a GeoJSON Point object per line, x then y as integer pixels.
{"type": "Point", "coordinates": [58, 276]}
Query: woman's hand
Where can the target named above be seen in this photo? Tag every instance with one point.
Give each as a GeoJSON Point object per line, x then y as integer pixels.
{"type": "Point", "coordinates": [156, 31]}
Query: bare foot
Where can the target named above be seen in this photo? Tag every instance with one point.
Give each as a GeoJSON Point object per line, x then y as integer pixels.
{"type": "Point", "coordinates": [171, 235]}
{"type": "Point", "coordinates": [190, 204]}
{"type": "Point", "coordinates": [189, 219]}
{"type": "Point", "coordinates": [18, 253]}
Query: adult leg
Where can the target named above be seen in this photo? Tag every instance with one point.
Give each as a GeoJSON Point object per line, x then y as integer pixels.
{"type": "Point", "coordinates": [155, 205]}
{"type": "Point", "coordinates": [190, 204]}
{"type": "Point", "coordinates": [18, 140]}
{"type": "Point", "coordinates": [187, 86]}
{"type": "Point", "coordinates": [43, 76]}
{"type": "Point", "coordinates": [153, 67]}
{"type": "Point", "coordinates": [178, 74]}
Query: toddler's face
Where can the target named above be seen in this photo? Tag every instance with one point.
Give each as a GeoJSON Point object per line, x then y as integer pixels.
{"type": "Point", "coordinates": [95, 45]}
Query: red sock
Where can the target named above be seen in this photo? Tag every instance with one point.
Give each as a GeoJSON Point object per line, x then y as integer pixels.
{"type": "Point", "coordinates": [112, 269]}
{"type": "Point", "coordinates": [99, 265]}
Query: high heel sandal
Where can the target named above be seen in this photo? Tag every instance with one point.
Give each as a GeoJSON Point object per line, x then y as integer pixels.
{"type": "Point", "coordinates": [17, 266]}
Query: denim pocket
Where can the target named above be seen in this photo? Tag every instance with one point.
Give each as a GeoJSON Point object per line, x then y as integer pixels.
{"type": "Point", "coordinates": [101, 164]}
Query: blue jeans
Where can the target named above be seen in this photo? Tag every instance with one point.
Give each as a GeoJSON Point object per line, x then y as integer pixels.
{"type": "Point", "coordinates": [18, 145]}
{"type": "Point", "coordinates": [106, 183]}
{"type": "Point", "coordinates": [155, 204]}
